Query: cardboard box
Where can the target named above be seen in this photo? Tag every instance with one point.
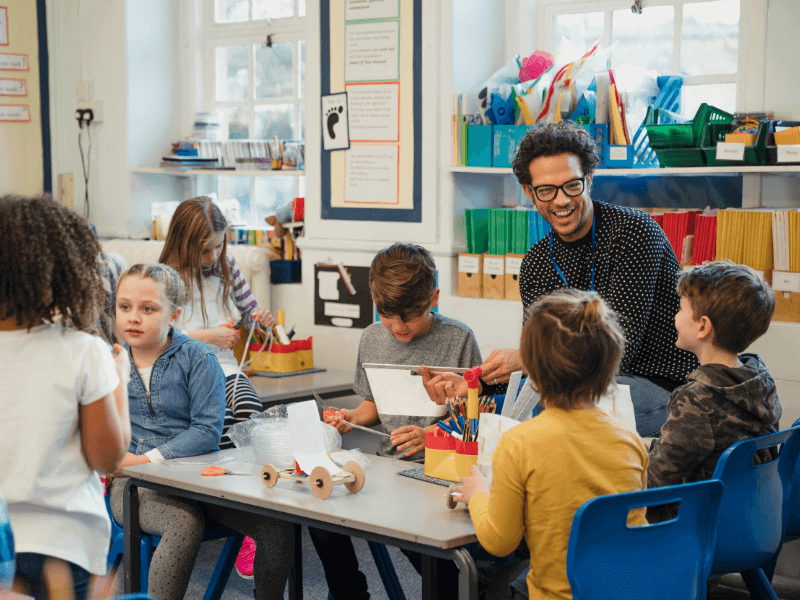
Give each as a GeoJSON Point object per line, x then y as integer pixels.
{"type": "Point", "coordinates": [513, 263]}
{"type": "Point", "coordinates": [470, 271]}
{"type": "Point", "coordinates": [494, 283]}
{"type": "Point", "coordinates": [786, 286]}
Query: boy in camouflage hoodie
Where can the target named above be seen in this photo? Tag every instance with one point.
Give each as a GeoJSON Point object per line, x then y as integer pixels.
{"type": "Point", "coordinates": [724, 308]}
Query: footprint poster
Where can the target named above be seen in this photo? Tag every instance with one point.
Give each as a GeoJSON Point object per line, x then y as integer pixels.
{"type": "Point", "coordinates": [335, 126]}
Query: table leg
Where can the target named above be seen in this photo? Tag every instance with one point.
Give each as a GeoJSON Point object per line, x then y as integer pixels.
{"type": "Point", "coordinates": [467, 575]}
{"type": "Point", "coordinates": [430, 581]}
{"type": "Point", "coordinates": [130, 525]}
{"type": "Point", "coordinates": [296, 576]}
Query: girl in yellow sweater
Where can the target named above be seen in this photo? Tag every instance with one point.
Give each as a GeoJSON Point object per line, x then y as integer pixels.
{"type": "Point", "coordinates": [545, 468]}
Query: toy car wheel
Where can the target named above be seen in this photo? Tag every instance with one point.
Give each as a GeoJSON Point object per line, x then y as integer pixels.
{"type": "Point", "coordinates": [321, 482]}
{"type": "Point", "coordinates": [269, 475]}
{"type": "Point", "coordinates": [353, 467]}
{"type": "Point", "coordinates": [451, 501]}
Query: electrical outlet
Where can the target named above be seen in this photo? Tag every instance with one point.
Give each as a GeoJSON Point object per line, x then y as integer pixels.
{"type": "Point", "coordinates": [96, 106]}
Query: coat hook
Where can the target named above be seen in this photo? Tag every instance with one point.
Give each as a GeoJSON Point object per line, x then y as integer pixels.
{"type": "Point", "coordinates": [637, 7]}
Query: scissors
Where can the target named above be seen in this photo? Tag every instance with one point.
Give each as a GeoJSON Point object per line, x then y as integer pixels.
{"type": "Point", "coordinates": [324, 406]}
{"type": "Point", "coordinates": [212, 470]}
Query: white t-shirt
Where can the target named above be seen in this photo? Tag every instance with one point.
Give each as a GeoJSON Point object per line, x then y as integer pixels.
{"type": "Point", "coordinates": [55, 500]}
{"type": "Point", "coordinates": [191, 319]}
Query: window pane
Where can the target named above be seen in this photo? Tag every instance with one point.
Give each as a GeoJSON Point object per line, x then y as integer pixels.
{"type": "Point", "coordinates": [238, 122]}
{"type": "Point", "coordinates": [710, 44]}
{"type": "Point", "coordinates": [232, 74]}
{"type": "Point", "coordinates": [275, 119]}
{"type": "Point", "coordinates": [301, 8]}
{"type": "Point", "coordinates": [644, 40]}
{"type": "Point", "coordinates": [238, 188]}
{"type": "Point", "coordinates": [273, 68]}
{"type": "Point", "coordinates": [301, 51]}
{"type": "Point", "coordinates": [231, 11]}
{"type": "Point", "coordinates": [271, 193]}
{"type": "Point", "coordinates": [581, 29]}
{"type": "Point", "coordinates": [302, 122]}
{"type": "Point", "coordinates": [719, 95]}
{"type": "Point", "coordinates": [273, 9]}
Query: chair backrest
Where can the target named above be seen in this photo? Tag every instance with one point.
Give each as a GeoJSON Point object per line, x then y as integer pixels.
{"type": "Point", "coordinates": [793, 522]}
{"type": "Point", "coordinates": [753, 512]}
{"type": "Point", "coordinates": [608, 559]}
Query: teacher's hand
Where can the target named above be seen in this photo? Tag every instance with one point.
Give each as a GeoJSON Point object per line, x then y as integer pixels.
{"type": "Point", "coordinates": [499, 366]}
{"type": "Point", "coordinates": [441, 386]}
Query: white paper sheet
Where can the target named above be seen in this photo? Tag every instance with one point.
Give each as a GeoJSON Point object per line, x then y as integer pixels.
{"type": "Point", "coordinates": [618, 403]}
{"type": "Point", "coordinates": [511, 394]}
{"type": "Point", "coordinates": [398, 392]}
{"type": "Point", "coordinates": [308, 441]}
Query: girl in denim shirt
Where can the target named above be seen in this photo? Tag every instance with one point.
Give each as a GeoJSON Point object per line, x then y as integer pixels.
{"type": "Point", "coordinates": [177, 399]}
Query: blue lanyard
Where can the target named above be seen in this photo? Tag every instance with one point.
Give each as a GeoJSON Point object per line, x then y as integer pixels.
{"type": "Point", "coordinates": [558, 269]}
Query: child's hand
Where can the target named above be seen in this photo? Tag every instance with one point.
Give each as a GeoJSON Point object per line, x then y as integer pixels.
{"type": "Point", "coordinates": [264, 318]}
{"type": "Point", "coordinates": [471, 485]}
{"type": "Point", "coordinates": [339, 418]}
{"type": "Point", "coordinates": [223, 337]}
{"type": "Point", "coordinates": [442, 386]}
{"type": "Point", "coordinates": [122, 364]}
{"type": "Point", "coordinates": [410, 438]}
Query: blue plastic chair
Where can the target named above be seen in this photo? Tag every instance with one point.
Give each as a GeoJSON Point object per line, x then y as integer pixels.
{"type": "Point", "coordinates": [754, 510]}
{"type": "Point", "coordinates": [608, 559]}
{"type": "Point", "coordinates": [793, 523]}
{"type": "Point", "coordinates": [149, 542]}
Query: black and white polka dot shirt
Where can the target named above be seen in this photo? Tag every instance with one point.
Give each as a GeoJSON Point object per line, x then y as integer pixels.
{"type": "Point", "coordinates": [635, 273]}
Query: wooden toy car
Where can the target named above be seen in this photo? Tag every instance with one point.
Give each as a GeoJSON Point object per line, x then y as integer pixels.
{"type": "Point", "coordinates": [320, 480]}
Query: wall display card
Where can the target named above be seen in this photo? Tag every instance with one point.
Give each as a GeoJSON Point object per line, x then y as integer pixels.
{"type": "Point", "coordinates": [361, 10]}
{"type": "Point", "coordinates": [371, 175]}
{"type": "Point", "coordinates": [3, 26]}
{"type": "Point", "coordinates": [342, 297]}
{"type": "Point", "coordinates": [374, 111]}
{"type": "Point", "coordinates": [13, 87]}
{"type": "Point", "coordinates": [335, 122]}
{"type": "Point", "coordinates": [372, 51]}
{"type": "Point", "coordinates": [788, 153]}
{"type": "Point", "coordinates": [14, 112]}
{"type": "Point", "coordinates": [13, 62]}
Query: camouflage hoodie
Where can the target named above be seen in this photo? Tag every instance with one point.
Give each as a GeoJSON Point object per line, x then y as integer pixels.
{"type": "Point", "coordinates": [716, 408]}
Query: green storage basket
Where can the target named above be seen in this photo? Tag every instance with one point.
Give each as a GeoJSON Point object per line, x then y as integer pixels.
{"type": "Point", "coordinates": [753, 155]}
{"type": "Point", "coordinates": [685, 135]}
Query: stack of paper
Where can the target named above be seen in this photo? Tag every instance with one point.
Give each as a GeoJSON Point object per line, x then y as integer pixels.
{"type": "Point", "coordinates": [786, 240]}
{"type": "Point", "coordinates": [678, 225]}
{"type": "Point", "coordinates": [476, 224]}
{"type": "Point", "coordinates": [537, 226]}
{"type": "Point", "coordinates": [745, 237]}
{"type": "Point", "coordinates": [705, 239]}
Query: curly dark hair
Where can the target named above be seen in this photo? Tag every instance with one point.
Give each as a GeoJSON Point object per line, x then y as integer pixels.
{"type": "Point", "coordinates": [553, 139]}
{"type": "Point", "coordinates": [50, 264]}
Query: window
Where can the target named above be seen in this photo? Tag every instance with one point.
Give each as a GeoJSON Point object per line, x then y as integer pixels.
{"type": "Point", "coordinates": [253, 67]}
{"type": "Point", "coordinates": [698, 39]}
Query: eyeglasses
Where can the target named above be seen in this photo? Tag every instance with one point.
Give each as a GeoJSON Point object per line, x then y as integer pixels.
{"type": "Point", "coordinates": [547, 193]}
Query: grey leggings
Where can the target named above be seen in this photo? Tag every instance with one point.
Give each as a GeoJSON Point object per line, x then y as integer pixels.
{"type": "Point", "coordinates": [181, 522]}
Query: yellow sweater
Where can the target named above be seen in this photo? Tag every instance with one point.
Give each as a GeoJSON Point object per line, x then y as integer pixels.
{"type": "Point", "coordinates": [544, 469]}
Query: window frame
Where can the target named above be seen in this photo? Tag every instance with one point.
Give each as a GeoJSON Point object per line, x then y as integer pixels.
{"type": "Point", "coordinates": [748, 9]}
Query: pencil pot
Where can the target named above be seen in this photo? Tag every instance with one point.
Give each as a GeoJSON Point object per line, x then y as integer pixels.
{"type": "Point", "coordinates": [440, 455]}
{"type": "Point", "coordinates": [297, 355]}
{"type": "Point", "coordinates": [466, 456]}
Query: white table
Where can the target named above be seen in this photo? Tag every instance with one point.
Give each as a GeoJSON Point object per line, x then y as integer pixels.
{"type": "Point", "coordinates": [330, 383]}
{"type": "Point", "coordinates": [390, 509]}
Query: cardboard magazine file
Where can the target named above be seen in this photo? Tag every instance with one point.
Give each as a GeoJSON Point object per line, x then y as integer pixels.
{"type": "Point", "coordinates": [448, 458]}
{"type": "Point", "coordinates": [297, 355]}
{"type": "Point", "coordinates": [513, 264]}
{"type": "Point", "coordinates": [786, 286]}
{"type": "Point", "coordinates": [494, 283]}
{"type": "Point", "coordinates": [470, 269]}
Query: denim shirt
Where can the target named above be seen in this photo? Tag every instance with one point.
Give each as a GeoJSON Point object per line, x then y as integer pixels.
{"type": "Point", "coordinates": [184, 412]}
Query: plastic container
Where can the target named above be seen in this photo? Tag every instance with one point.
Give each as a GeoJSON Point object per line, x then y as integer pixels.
{"type": "Point", "coordinates": [754, 154]}
{"type": "Point", "coordinates": [686, 135]}
{"type": "Point", "coordinates": [771, 149]}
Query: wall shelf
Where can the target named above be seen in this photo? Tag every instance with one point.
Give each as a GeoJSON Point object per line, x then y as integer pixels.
{"type": "Point", "coordinates": [666, 171]}
{"type": "Point", "coordinates": [218, 172]}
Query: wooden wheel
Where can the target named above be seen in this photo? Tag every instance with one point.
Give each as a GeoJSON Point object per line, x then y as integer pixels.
{"type": "Point", "coordinates": [321, 482]}
{"type": "Point", "coordinates": [353, 467]}
{"type": "Point", "coordinates": [451, 501]}
{"type": "Point", "coordinates": [269, 476]}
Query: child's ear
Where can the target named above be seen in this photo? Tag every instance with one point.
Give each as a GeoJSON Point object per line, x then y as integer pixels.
{"type": "Point", "coordinates": [175, 316]}
{"type": "Point", "coordinates": [705, 329]}
{"type": "Point", "coordinates": [435, 299]}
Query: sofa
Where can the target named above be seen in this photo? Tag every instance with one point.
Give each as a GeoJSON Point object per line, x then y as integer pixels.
{"type": "Point", "coordinates": [252, 260]}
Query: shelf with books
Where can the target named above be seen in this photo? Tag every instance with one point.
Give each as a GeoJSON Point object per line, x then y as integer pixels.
{"type": "Point", "coordinates": [178, 172]}
{"type": "Point", "coordinates": [789, 169]}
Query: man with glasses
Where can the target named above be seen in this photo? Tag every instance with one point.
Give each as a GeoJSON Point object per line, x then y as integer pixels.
{"type": "Point", "coordinates": [619, 252]}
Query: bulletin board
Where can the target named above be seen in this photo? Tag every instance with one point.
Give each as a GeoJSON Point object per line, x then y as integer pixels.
{"type": "Point", "coordinates": [373, 51]}
{"type": "Point", "coordinates": [342, 301]}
